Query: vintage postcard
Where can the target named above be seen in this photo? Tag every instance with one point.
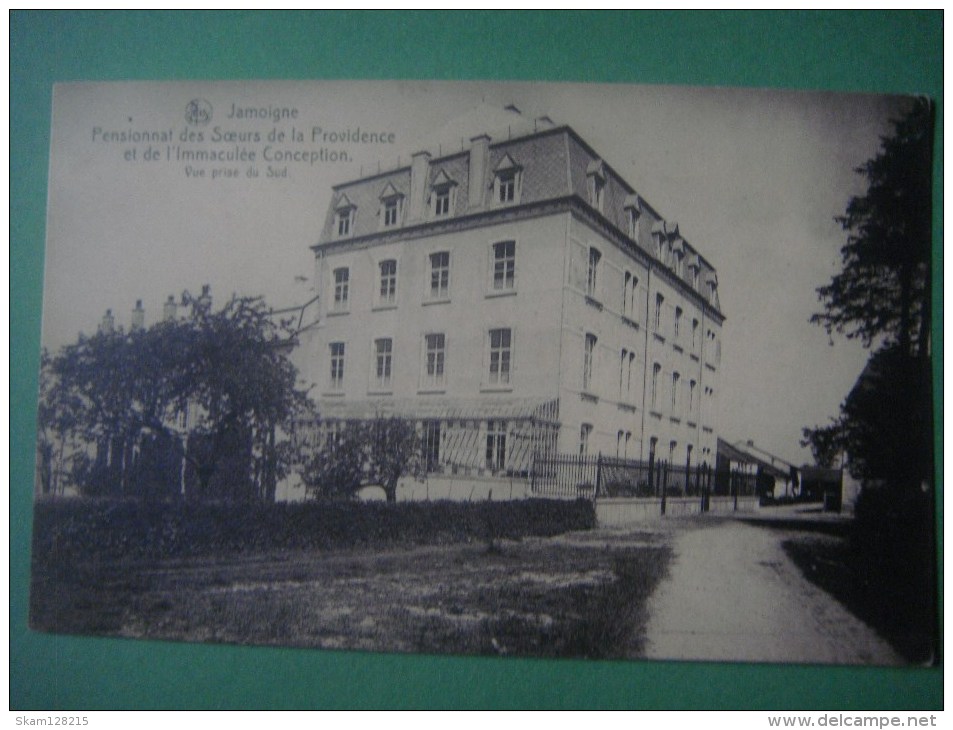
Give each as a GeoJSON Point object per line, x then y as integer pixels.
{"type": "Point", "coordinates": [538, 370]}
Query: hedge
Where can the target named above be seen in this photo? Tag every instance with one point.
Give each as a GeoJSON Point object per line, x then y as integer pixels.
{"type": "Point", "coordinates": [74, 529]}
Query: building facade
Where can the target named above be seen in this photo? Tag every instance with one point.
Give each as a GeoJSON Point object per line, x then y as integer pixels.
{"type": "Point", "coordinates": [514, 298]}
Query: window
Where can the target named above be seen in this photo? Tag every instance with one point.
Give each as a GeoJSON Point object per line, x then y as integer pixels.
{"type": "Point", "coordinates": [659, 299]}
{"type": "Point", "coordinates": [694, 334]}
{"type": "Point", "coordinates": [675, 379]}
{"type": "Point", "coordinates": [656, 369]}
{"type": "Point", "coordinates": [391, 212]}
{"type": "Point", "coordinates": [388, 287]}
{"type": "Point", "coordinates": [587, 361]}
{"type": "Point", "coordinates": [629, 287]}
{"type": "Point", "coordinates": [678, 321]}
{"type": "Point", "coordinates": [592, 280]}
{"type": "Point", "coordinates": [628, 438]}
{"type": "Point", "coordinates": [633, 219]}
{"type": "Point", "coordinates": [622, 371]}
{"type": "Point", "coordinates": [432, 445]}
{"type": "Point", "coordinates": [440, 275]}
{"type": "Point", "coordinates": [653, 443]}
{"type": "Point", "coordinates": [500, 356]}
{"type": "Point", "coordinates": [341, 280]}
{"type": "Point", "coordinates": [691, 395]}
{"type": "Point", "coordinates": [585, 431]}
{"type": "Point", "coordinates": [506, 182]}
{"type": "Point", "coordinates": [619, 440]}
{"type": "Point", "coordinates": [441, 201]}
{"type": "Point", "coordinates": [344, 222]}
{"type": "Point", "coordinates": [628, 386]}
{"type": "Point", "coordinates": [506, 186]}
{"type": "Point", "coordinates": [626, 283]}
{"type": "Point", "coordinates": [598, 192]}
{"type": "Point", "coordinates": [337, 365]}
{"type": "Point", "coordinates": [672, 445]}
{"type": "Point", "coordinates": [496, 445]}
{"type": "Point", "coordinates": [442, 195]}
{"type": "Point", "coordinates": [504, 265]}
{"type": "Point", "coordinates": [383, 354]}
{"type": "Point", "coordinates": [695, 278]}
{"type": "Point", "coordinates": [435, 352]}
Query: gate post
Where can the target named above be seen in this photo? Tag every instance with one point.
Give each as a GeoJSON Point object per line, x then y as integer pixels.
{"type": "Point", "coordinates": [598, 476]}
{"type": "Point", "coordinates": [664, 470]}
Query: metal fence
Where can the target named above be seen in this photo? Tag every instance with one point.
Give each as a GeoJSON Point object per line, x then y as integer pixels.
{"type": "Point", "coordinates": [590, 477]}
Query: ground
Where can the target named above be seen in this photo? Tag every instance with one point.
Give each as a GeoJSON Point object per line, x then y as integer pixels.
{"type": "Point", "coordinates": [733, 593]}
{"type": "Point", "coordinates": [680, 588]}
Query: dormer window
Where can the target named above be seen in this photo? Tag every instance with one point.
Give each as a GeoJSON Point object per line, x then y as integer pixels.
{"type": "Point", "coordinates": [507, 182]}
{"type": "Point", "coordinates": [678, 254]}
{"type": "Point", "coordinates": [712, 281]}
{"type": "Point", "coordinates": [344, 223]}
{"type": "Point", "coordinates": [661, 243]}
{"type": "Point", "coordinates": [442, 195]}
{"type": "Point", "coordinates": [344, 217]}
{"type": "Point", "coordinates": [693, 266]}
{"type": "Point", "coordinates": [633, 212]}
{"type": "Point", "coordinates": [596, 177]}
{"type": "Point", "coordinates": [392, 204]}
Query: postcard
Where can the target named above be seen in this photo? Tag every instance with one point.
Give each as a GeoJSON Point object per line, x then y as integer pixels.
{"type": "Point", "coordinates": [525, 369]}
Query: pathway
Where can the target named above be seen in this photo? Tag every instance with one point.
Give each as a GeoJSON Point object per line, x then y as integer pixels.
{"type": "Point", "coordinates": [733, 594]}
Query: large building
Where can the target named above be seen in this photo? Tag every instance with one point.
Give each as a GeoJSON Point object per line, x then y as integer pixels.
{"type": "Point", "coordinates": [515, 297]}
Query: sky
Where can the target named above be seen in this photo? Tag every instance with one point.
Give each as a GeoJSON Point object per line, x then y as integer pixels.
{"type": "Point", "coordinates": [754, 178]}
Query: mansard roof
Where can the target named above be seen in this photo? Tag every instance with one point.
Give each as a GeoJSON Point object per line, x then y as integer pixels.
{"type": "Point", "coordinates": [556, 164]}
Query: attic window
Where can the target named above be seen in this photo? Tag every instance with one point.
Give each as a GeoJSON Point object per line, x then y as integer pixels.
{"type": "Point", "coordinates": [442, 195]}
{"type": "Point", "coordinates": [344, 217]}
{"type": "Point", "coordinates": [633, 211]}
{"type": "Point", "coordinates": [392, 204]}
{"type": "Point", "coordinates": [596, 175]}
{"type": "Point", "coordinates": [507, 182]}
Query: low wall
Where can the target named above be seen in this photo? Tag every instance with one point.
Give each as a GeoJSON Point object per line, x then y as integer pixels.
{"type": "Point", "coordinates": [615, 512]}
{"type": "Point", "coordinates": [461, 489]}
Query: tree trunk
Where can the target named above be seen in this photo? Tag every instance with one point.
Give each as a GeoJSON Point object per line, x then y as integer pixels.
{"type": "Point", "coordinates": [390, 491]}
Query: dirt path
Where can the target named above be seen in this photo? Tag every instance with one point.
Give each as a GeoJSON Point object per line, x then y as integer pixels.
{"type": "Point", "coordinates": [733, 594]}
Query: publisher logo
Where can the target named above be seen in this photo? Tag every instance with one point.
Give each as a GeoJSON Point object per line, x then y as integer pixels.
{"type": "Point", "coordinates": [198, 112]}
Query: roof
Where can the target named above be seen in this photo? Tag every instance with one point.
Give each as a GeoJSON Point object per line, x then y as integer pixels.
{"type": "Point", "coordinates": [556, 164]}
{"type": "Point", "coordinates": [747, 453]}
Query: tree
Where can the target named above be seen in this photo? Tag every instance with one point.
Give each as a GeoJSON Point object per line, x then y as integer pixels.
{"type": "Point", "coordinates": [395, 452]}
{"type": "Point", "coordinates": [359, 453]}
{"type": "Point", "coordinates": [825, 442]}
{"type": "Point", "coordinates": [212, 388]}
{"type": "Point", "coordinates": [883, 297]}
{"type": "Point", "coordinates": [883, 291]}
{"type": "Point", "coordinates": [336, 468]}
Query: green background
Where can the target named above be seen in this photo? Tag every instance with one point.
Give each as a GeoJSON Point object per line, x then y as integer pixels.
{"type": "Point", "coordinates": [875, 52]}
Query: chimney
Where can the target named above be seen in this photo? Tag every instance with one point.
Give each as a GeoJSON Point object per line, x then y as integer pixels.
{"type": "Point", "coordinates": [419, 173]}
{"type": "Point", "coordinates": [106, 327]}
{"type": "Point", "coordinates": [169, 309]}
{"type": "Point", "coordinates": [479, 159]}
{"type": "Point", "coordinates": [138, 316]}
{"type": "Point", "coordinates": [205, 301]}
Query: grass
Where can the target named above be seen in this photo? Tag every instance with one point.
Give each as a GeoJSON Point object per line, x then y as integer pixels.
{"type": "Point", "coordinates": [829, 563]}
{"type": "Point", "coordinates": [578, 595]}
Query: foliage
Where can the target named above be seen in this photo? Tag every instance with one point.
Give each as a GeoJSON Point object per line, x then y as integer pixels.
{"type": "Point", "coordinates": [887, 429]}
{"type": "Point", "coordinates": [883, 289]}
{"type": "Point", "coordinates": [883, 296]}
{"type": "Point", "coordinates": [336, 469]}
{"type": "Point", "coordinates": [93, 530]}
{"type": "Point", "coordinates": [361, 453]}
{"type": "Point", "coordinates": [212, 386]}
{"type": "Point", "coordinates": [825, 442]}
{"type": "Point", "coordinates": [394, 452]}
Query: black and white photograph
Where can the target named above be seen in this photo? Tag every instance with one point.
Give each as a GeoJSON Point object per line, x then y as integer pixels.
{"type": "Point", "coordinates": [501, 369]}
